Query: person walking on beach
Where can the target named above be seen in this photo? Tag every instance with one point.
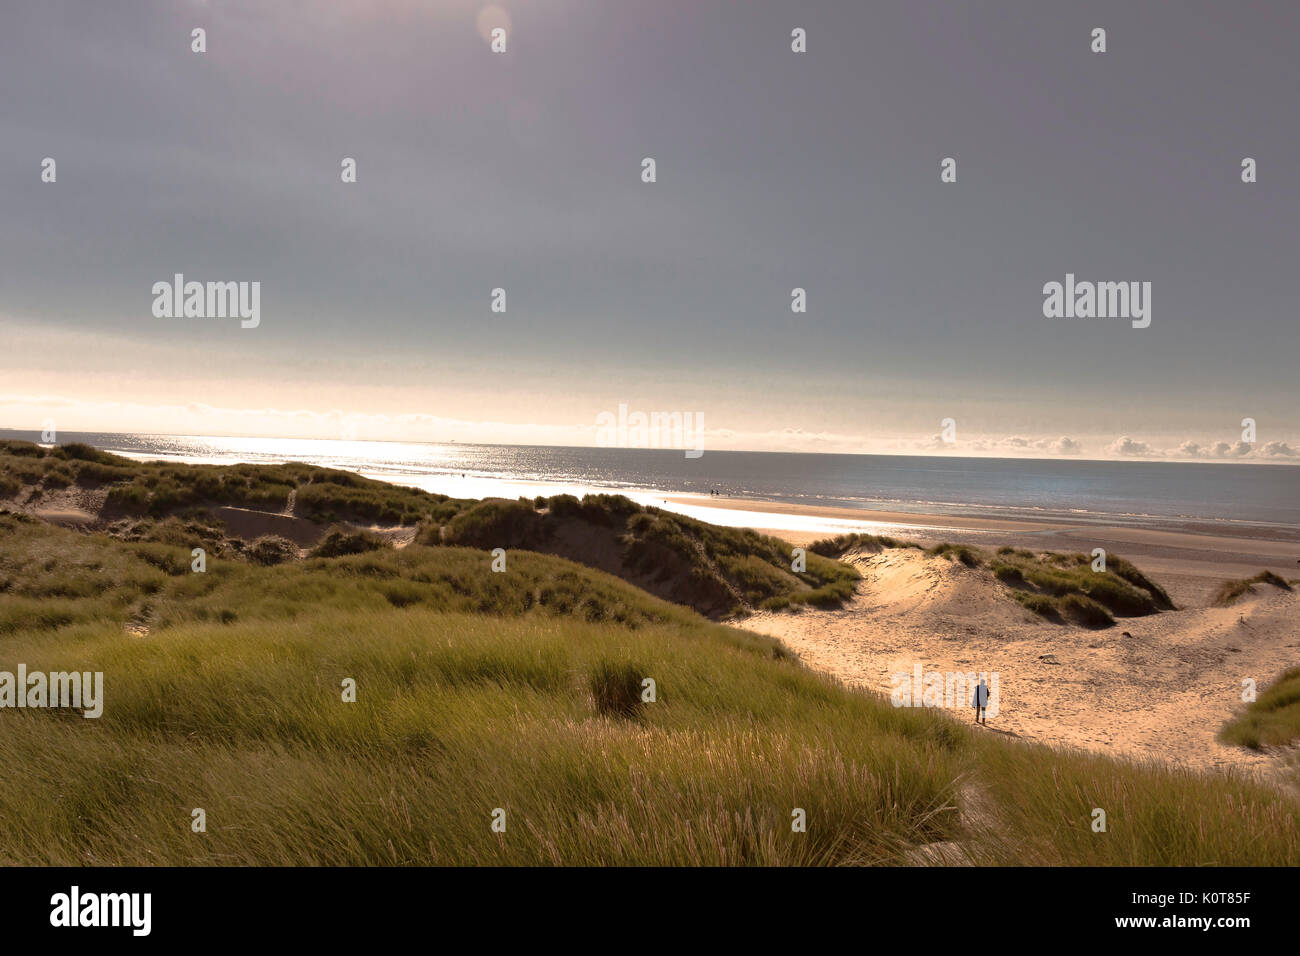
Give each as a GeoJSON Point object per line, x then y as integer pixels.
{"type": "Point", "coordinates": [981, 702]}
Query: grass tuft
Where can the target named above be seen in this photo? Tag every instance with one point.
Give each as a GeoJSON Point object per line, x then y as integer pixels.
{"type": "Point", "coordinates": [1230, 591]}
{"type": "Point", "coordinates": [616, 688]}
{"type": "Point", "coordinates": [842, 544]}
{"type": "Point", "coordinates": [971, 557]}
{"type": "Point", "coordinates": [1272, 719]}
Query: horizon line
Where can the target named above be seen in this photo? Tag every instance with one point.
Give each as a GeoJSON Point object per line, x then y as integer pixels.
{"type": "Point", "coordinates": [1130, 459]}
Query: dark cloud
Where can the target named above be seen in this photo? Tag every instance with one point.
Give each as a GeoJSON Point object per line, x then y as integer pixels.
{"type": "Point", "coordinates": [818, 170]}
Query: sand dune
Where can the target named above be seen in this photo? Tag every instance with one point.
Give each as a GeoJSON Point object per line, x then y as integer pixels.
{"type": "Point", "coordinates": [1162, 693]}
{"type": "Point", "coordinates": [1191, 559]}
{"type": "Point", "coordinates": [86, 510]}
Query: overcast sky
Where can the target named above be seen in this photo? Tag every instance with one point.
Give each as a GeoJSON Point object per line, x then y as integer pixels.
{"type": "Point", "coordinates": [775, 169]}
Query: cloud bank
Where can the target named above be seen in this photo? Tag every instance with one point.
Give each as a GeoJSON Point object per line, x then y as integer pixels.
{"type": "Point", "coordinates": [29, 413]}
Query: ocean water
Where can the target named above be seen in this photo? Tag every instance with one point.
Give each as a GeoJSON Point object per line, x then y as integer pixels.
{"type": "Point", "coordinates": [1149, 494]}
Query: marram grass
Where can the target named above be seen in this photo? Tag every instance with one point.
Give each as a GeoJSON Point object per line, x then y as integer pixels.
{"type": "Point", "coordinates": [478, 691]}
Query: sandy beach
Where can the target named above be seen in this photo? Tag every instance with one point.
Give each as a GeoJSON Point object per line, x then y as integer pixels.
{"type": "Point", "coordinates": [1157, 687]}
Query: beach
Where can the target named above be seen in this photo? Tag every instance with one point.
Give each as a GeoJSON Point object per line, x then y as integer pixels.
{"type": "Point", "coordinates": [1151, 688]}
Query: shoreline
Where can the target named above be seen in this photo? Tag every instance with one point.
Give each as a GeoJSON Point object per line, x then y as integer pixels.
{"type": "Point", "coordinates": [1190, 557]}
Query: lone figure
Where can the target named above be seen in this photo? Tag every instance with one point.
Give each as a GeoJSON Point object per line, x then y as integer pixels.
{"type": "Point", "coordinates": [981, 703]}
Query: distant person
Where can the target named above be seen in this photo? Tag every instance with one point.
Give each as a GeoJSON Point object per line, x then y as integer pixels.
{"type": "Point", "coordinates": [981, 703]}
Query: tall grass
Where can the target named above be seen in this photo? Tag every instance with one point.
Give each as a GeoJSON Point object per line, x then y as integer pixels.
{"type": "Point", "coordinates": [1042, 812]}
{"type": "Point", "coordinates": [478, 691]}
{"type": "Point", "coordinates": [456, 716]}
{"type": "Point", "coordinates": [1272, 719]}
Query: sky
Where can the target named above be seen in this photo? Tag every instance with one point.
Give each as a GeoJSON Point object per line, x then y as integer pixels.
{"type": "Point", "coordinates": [775, 170]}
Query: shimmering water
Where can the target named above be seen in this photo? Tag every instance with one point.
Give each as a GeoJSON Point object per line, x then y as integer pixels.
{"type": "Point", "coordinates": [1147, 493]}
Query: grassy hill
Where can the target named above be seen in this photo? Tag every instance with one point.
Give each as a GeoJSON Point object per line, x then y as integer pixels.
{"type": "Point", "coordinates": [719, 572]}
{"type": "Point", "coordinates": [157, 489]}
{"type": "Point", "coordinates": [519, 691]}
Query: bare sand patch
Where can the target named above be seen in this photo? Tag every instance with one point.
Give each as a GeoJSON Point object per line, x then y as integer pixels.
{"type": "Point", "coordinates": [67, 517]}
{"type": "Point", "coordinates": [1162, 692]}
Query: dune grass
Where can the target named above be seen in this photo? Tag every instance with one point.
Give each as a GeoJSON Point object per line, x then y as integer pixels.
{"type": "Point", "coordinates": [520, 691]}
{"type": "Point", "coordinates": [340, 541]}
{"type": "Point", "coordinates": [1229, 591]}
{"type": "Point", "coordinates": [718, 571]}
{"type": "Point", "coordinates": [1042, 812]}
{"type": "Point", "coordinates": [1064, 586]}
{"type": "Point", "coordinates": [965, 554]}
{"type": "Point", "coordinates": [1272, 719]}
{"type": "Point", "coordinates": [52, 577]}
{"type": "Point", "coordinates": [1084, 610]}
{"type": "Point", "coordinates": [844, 543]}
{"type": "Point", "coordinates": [159, 489]}
{"type": "Point", "coordinates": [456, 716]}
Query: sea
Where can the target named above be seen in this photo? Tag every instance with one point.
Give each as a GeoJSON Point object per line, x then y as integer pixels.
{"type": "Point", "coordinates": [1214, 497]}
